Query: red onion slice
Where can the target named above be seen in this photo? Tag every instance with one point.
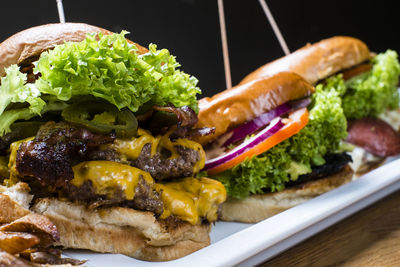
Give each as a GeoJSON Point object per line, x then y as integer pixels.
{"type": "Point", "coordinates": [274, 127]}
{"type": "Point", "coordinates": [264, 119]}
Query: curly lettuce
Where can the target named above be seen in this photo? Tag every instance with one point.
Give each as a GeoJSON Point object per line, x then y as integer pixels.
{"type": "Point", "coordinates": [296, 155]}
{"type": "Point", "coordinates": [110, 69]}
{"type": "Point", "coordinates": [102, 67]}
{"type": "Point", "coordinates": [13, 89]}
{"type": "Point", "coordinates": [371, 93]}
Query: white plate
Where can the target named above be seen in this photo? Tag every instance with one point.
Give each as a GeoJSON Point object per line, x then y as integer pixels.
{"type": "Point", "coordinates": [248, 244]}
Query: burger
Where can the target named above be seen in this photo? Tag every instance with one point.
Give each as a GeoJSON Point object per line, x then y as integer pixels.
{"type": "Point", "coordinates": [368, 87]}
{"type": "Point", "coordinates": [102, 129]}
{"type": "Point", "coordinates": [277, 143]}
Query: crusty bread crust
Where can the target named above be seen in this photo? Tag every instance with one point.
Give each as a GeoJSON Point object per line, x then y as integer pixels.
{"type": "Point", "coordinates": [122, 230]}
{"type": "Point", "coordinates": [259, 207]}
{"type": "Point", "coordinates": [14, 202]}
{"type": "Point", "coordinates": [242, 103]}
{"type": "Point", "coordinates": [33, 41]}
{"type": "Point", "coordinates": [317, 61]}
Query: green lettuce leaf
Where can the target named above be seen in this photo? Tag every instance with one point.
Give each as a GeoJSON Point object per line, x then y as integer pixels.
{"type": "Point", "coordinates": [369, 94]}
{"type": "Point", "coordinates": [10, 116]}
{"type": "Point", "coordinates": [284, 162]}
{"type": "Point", "coordinates": [110, 69]}
{"type": "Point", "coordinates": [13, 89]}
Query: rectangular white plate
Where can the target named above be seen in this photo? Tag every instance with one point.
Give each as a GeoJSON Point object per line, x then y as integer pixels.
{"type": "Point", "coordinates": [249, 244]}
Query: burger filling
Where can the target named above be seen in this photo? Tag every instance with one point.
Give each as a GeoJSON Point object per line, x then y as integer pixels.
{"type": "Point", "coordinates": [370, 97]}
{"type": "Point", "coordinates": [70, 162]}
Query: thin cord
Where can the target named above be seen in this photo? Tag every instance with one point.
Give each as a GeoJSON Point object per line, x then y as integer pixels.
{"type": "Point", "coordinates": [60, 9]}
{"type": "Point", "coordinates": [274, 27]}
{"type": "Point", "coordinates": [224, 40]}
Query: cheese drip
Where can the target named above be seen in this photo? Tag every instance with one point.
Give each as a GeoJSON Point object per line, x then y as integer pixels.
{"type": "Point", "coordinates": [131, 148]}
{"type": "Point", "coordinates": [191, 199]}
{"type": "Point", "coordinates": [107, 177]}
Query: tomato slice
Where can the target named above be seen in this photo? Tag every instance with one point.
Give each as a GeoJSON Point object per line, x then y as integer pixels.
{"type": "Point", "coordinates": [297, 120]}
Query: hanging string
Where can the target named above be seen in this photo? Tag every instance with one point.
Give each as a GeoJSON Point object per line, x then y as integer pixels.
{"type": "Point", "coordinates": [224, 40]}
{"type": "Point", "coordinates": [274, 27]}
{"type": "Point", "coordinates": [60, 9]}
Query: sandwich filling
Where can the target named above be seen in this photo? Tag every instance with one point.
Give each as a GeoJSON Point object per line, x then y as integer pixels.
{"type": "Point", "coordinates": [370, 101]}
{"type": "Point", "coordinates": [96, 123]}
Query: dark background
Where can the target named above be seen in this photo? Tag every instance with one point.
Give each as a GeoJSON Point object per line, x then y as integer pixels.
{"type": "Point", "coordinates": [190, 28]}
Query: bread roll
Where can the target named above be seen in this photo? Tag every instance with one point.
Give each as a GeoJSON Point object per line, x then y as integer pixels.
{"type": "Point", "coordinates": [317, 61]}
{"type": "Point", "coordinates": [27, 45]}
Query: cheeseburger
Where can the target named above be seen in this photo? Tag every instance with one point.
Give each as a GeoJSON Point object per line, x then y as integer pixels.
{"type": "Point", "coordinates": [368, 87]}
{"type": "Point", "coordinates": [276, 144]}
{"type": "Point", "coordinates": [101, 130]}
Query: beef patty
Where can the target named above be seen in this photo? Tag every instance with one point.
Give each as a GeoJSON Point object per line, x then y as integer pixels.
{"type": "Point", "coordinates": [46, 164]}
{"type": "Point", "coordinates": [145, 198]}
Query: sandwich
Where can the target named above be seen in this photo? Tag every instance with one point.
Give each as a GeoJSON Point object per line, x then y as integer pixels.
{"type": "Point", "coordinates": [100, 130]}
{"type": "Point", "coordinates": [367, 84]}
{"type": "Point", "coordinates": [276, 144]}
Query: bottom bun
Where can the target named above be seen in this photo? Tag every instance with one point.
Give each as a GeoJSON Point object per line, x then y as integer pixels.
{"type": "Point", "coordinates": [259, 207]}
{"type": "Point", "coordinates": [123, 230]}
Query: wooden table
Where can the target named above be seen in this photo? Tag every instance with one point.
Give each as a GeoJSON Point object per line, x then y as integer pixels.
{"type": "Point", "coordinates": [370, 237]}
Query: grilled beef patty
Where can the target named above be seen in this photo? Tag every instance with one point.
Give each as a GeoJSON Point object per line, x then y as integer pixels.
{"type": "Point", "coordinates": [161, 167]}
{"type": "Point", "coordinates": [46, 164]}
{"type": "Point", "coordinates": [56, 148]}
{"type": "Point", "coordinates": [145, 198]}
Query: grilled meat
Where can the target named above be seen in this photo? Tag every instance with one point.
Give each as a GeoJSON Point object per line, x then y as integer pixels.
{"type": "Point", "coordinates": [145, 198]}
{"type": "Point", "coordinates": [56, 148]}
{"type": "Point", "coordinates": [161, 166]}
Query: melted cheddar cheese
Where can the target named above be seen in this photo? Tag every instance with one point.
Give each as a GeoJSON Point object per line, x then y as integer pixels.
{"type": "Point", "coordinates": [108, 176]}
{"type": "Point", "coordinates": [190, 199]}
{"type": "Point", "coordinates": [131, 148]}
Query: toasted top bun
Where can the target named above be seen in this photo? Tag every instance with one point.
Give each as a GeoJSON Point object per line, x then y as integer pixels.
{"type": "Point", "coordinates": [244, 102]}
{"type": "Point", "coordinates": [317, 61]}
{"type": "Point", "coordinates": [30, 43]}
